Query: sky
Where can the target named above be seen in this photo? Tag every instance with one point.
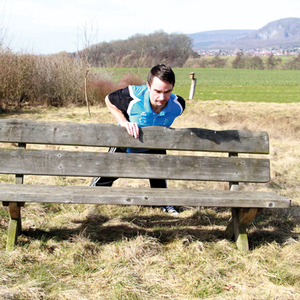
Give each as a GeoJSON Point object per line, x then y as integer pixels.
{"type": "Point", "coordinates": [52, 26]}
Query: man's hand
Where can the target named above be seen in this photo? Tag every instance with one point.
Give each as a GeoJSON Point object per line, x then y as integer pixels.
{"type": "Point", "coordinates": [132, 128]}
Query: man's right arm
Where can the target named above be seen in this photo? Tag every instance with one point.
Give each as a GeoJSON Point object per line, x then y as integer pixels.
{"type": "Point", "coordinates": [132, 128]}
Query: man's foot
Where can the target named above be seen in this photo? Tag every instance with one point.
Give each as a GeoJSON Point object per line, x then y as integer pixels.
{"type": "Point", "coordinates": [171, 210]}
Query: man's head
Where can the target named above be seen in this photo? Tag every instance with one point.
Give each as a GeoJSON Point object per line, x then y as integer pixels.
{"type": "Point", "coordinates": [162, 72]}
{"type": "Point", "coordinates": [160, 82]}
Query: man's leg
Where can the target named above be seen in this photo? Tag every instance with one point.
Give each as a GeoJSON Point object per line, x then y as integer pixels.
{"type": "Point", "coordinates": [162, 183]}
{"type": "Point", "coordinates": [106, 181]}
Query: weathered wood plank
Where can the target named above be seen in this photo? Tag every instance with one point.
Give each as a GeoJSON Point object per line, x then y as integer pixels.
{"type": "Point", "coordinates": [106, 135]}
{"type": "Point", "coordinates": [73, 163]}
{"type": "Point", "coordinates": [141, 196]}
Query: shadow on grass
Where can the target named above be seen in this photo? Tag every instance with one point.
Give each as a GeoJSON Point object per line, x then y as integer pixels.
{"type": "Point", "coordinates": [276, 225]}
{"type": "Point", "coordinates": [22, 111]}
{"type": "Point", "coordinates": [268, 227]}
{"type": "Point", "coordinates": [164, 228]}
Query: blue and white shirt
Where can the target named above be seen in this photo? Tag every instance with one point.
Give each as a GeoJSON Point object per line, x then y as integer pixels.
{"type": "Point", "coordinates": [134, 102]}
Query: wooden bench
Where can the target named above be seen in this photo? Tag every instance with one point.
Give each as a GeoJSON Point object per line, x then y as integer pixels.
{"type": "Point", "coordinates": [192, 164]}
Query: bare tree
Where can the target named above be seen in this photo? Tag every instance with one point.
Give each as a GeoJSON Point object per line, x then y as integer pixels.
{"type": "Point", "coordinates": [86, 35]}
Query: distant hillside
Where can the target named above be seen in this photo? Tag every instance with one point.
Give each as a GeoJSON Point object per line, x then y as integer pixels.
{"type": "Point", "coordinates": [280, 33]}
{"type": "Point", "coordinates": [207, 39]}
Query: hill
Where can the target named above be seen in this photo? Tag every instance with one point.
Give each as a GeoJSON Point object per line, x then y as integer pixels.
{"type": "Point", "coordinates": [208, 39]}
{"type": "Point", "coordinates": [281, 33]}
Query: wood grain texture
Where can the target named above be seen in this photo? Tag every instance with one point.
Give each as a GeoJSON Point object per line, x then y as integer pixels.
{"type": "Point", "coordinates": [128, 165]}
{"type": "Point", "coordinates": [107, 135]}
{"type": "Point", "coordinates": [141, 196]}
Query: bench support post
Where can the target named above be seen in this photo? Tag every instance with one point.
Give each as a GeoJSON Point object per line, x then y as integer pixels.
{"type": "Point", "coordinates": [240, 233]}
{"type": "Point", "coordinates": [237, 227]}
{"type": "Point", "coordinates": [14, 225]}
{"type": "Point", "coordinates": [240, 217]}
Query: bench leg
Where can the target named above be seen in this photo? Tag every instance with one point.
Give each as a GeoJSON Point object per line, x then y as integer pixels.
{"type": "Point", "coordinates": [15, 226]}
{"type": "Point", "coordinates": [237, 227]}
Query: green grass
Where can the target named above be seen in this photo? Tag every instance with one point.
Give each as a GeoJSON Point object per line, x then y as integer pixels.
{"type": "Point", "coordinates": [278, 94]}
{"type": "Point", "coordinates": [278, 86]}
{"type": "Point", "coordinates": [238, 77]}
{"type": "Point", "coordinates": [222, 77]}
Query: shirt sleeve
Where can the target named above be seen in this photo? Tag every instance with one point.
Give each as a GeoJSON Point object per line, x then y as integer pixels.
{"type": "Point", "coordinates": [121, 99]}
{"type": "Point", "coordinates": [181, 101]}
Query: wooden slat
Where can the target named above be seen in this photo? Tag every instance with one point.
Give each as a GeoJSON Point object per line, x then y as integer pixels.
{"type": "Point", "coordinates": [141, 196]}
{"type": "Point", "coordinates": [106, 135]}
{"type": "Point", "coordinates": [73, 163]}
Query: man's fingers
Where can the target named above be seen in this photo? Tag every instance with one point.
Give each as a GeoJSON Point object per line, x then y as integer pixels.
{"type": "Point", "coordinates": [135, 130]}
{"type": "Point", "coordinates": [132, 129]}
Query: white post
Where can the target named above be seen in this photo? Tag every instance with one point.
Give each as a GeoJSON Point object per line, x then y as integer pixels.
{"type": "Point", "coordinates": [193, 85]}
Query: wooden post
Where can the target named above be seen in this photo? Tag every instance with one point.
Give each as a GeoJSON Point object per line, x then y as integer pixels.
{"type": "Point", "coordinates": [193, 85]}
{"type": "Point", "coordinates": [15, 223]}
{"type": "Point", "coordinates": [240, 217]}
{"type": "Point", "coordinates": [236, 227]}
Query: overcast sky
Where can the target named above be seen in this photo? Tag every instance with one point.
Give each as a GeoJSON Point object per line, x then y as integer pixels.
{"type": "Point", "coordinates": [51, 26]}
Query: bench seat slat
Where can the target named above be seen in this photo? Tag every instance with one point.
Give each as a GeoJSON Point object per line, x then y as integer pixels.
{"type": "Point", "coordinates": [109, 135]}
{"type": "Point", "coordinates": [141, 196]}
{"type": "Point", "coordinates": [127, 165]}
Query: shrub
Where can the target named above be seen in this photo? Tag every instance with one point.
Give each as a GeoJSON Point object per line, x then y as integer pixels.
{"type": "Point", "coordinates": [130, 79]}
{"type": "Point", "coordinates": [101, 85]}
{"type": "Point", "coordinates": [98, 88]}
{"type": "Point", "coordinates": [27, 79]}
{"type": "Point", "coordinates": [293, 64]}
{"type": "Point", "coordinates": [60, 80]}
{"type": "Point", "coordinates": [199, 62]}
{"type": "Point", "coordinates": [52, 80]}
{"type": "Point", "coordinates": [217, 62]}
{"type": "Point", "coordinates": [8, 82]}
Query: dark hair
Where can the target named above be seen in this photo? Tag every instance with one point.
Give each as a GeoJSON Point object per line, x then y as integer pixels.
{"type": "Point", "coordinates": [163, 72]}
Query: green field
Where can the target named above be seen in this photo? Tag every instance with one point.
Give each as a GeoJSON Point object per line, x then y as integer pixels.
{"type": "Point", "coordinates": [232, 84]}
{"type": "Point", "coordinates": [278, 94]}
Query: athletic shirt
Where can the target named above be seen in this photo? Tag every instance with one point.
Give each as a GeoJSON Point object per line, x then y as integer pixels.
{"type": "Point", "coordinates": [134, 102]}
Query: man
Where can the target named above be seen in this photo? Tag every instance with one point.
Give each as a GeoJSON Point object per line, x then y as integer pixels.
{"type": "Point", "coordinates": [153, 104]}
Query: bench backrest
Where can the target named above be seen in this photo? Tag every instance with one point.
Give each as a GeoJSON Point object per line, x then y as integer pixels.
{"type": "Point", "coordinates": [75, 162]}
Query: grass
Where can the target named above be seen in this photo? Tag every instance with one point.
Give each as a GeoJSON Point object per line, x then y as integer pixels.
{"type": "Point", "coordinates": [278, 94]}
{"type": "Point", "coordinates": [221, 77]}
{"type": "Point", "coordinates": [280, 86]}
{"type": "Point", "coordinates": [131, 252]}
